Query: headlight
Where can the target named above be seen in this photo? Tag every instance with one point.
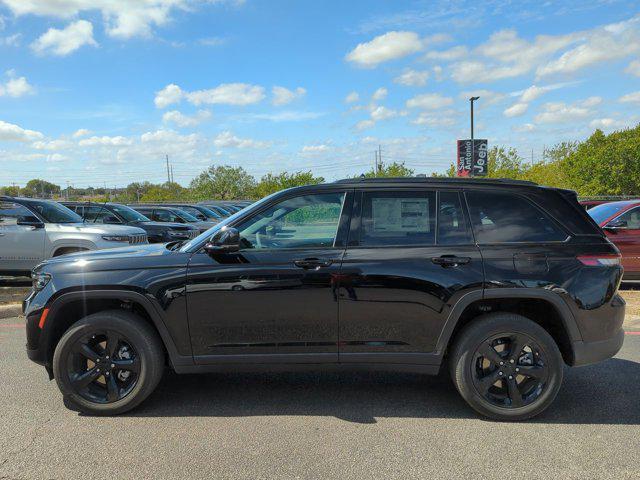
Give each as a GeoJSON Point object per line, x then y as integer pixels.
{"type": "Point", "coordinates": [39, 280]}
{"type": "Point", "coordinates": [116, 238]}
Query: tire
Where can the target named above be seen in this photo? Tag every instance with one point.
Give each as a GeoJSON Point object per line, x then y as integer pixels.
{"type": "Point", "coordinates": [136, 348]}
{"type": "Point", "coordinates": [514, 395]}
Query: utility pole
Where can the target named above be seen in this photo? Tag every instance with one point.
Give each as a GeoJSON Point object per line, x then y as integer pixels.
{"type": "Point", "coordinates": [379, 157]}
{"type": "Point", "coordinates": [471, 100]}
{"type": "Point", "coordinates": [168, 174]}
{"type": "Point", "coordinates": [172, 180]}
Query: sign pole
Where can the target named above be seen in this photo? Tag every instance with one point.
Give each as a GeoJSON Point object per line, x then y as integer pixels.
{"type": "Point", "coordinates": [471, 100]}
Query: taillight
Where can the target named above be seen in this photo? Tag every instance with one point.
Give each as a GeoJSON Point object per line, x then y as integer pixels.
{"type": "Point", "coordinates": [600, 260]}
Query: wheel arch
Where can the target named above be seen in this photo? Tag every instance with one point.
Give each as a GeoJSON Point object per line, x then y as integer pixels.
{"type": "Point", "coordinates": [74, 243]}
{"type": "Point", "coordinates": [541, 306]}
{"type": "Point", "coordinates": [70, 307]}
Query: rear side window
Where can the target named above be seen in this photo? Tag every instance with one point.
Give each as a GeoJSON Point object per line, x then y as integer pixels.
{"type": "Point", "coordinates": [453, 226]}
{"type": "Point", "coordinates": [504, 217]}
{"type": "Point", "coordinates": [10, 213]}
{"type": "Point", "coordinates": [398, 218]}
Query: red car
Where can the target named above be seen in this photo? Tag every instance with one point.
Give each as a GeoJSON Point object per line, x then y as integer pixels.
{"type": "Point", "coordinates": [589, 204]}
{"type": "Point", "coordinates": [621, 223]}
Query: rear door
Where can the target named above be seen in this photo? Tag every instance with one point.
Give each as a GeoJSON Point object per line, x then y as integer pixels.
{"type": "Point", "coordinates": [410, 257]}
{"type": "Point", "coordinates": [21, 246]}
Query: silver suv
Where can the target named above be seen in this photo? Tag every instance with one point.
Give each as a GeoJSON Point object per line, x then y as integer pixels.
{"type": "Point", "coordinates": [33, 230]}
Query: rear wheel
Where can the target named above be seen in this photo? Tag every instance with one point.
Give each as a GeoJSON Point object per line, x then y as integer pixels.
{"type": "Point", "coordinates": [506, 367]}
{"type": "Point", "coordinates": [108, 362]}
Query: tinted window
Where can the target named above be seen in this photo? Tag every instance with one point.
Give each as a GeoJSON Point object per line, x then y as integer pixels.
{"type": "Point", "coordinates": [166, 216]}
{"type": "Point", "coordinates": [306, 221]}
{"type": "Point", "coordinates": [398, 218]}
{"type": "Point", "coordinates": [11, 212]}
{"type": "Point", "coordinates": [453, 227]}
{"type": "Point", "coordinates": [601, 212]}
{"type": "Point", "coordinates": [96, 214]}
{"type": "Point", "coordinates": [504, 217]}
{"type": "Point", "coordinates": [632, 217]}
{"type": "Point", "coordinates": [54, 212]}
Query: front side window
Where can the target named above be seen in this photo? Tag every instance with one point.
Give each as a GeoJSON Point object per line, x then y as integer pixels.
{"type": "Point", "coordinates": [54, 212]}
{"type": "Point", "coordinates": [95, 214]}
{"type": "Point", "coordinates": [166, 216]}
{"type": "Point", "coordinates": [309, 221]}
{"type": "Point", "coordinates": [507, 218]}
{"type": "Point", "coordinates": [11, 213]}
{"type": "Point", "coordinates": [398, 218]}
{"type": "Point", "coordinates": [629, 220]}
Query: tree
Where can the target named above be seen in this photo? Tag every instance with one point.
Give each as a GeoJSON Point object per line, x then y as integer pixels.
{"type": "Point", "coordinates": [40, 188]}
{"type": "Point", "coordinates": [224, 183]}
{"type": "Point", "coordinates": [166, 192]}
{"type": "Point", "coordinates": [271, 183]}
{"type": "Point", "coordinates": [12, 191]}
{"type": "Point", "coordinates": [394, 169]}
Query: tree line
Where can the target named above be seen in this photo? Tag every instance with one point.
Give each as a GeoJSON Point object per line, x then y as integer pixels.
{"type": "Point", "coordinates": [600, 165]}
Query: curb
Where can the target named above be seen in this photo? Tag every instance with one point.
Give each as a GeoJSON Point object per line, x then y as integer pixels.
{"type": "Point", "coordinates": [10, 310]}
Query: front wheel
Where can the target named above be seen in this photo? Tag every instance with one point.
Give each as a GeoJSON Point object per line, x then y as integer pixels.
{"type": "Point", "coordinates": [506, 367]}
{"type": "Point", "coordinates": [108, 362]}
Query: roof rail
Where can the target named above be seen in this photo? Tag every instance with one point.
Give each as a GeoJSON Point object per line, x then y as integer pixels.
{"type": "Point", "coordinates": [500, 181]}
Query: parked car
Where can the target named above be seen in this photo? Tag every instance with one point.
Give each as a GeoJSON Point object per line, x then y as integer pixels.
{"type": "Point", "coordinates": [199, 211]}
{"type": "Point", "coordinates": [218, 208]}
{"type": "Point", "coordinates": [32, 230]}
{"type": "Point", "coordinates": [503, 282]}
{"type": "Point", "coordinates": [173, 215]}
{"type": "Point", "coordinates": [621, 223]}
{"type": "Point", "coordinates": [117, 214]}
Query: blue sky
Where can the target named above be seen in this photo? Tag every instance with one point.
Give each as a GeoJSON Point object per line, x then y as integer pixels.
{"type": "Point", "coordinates": [97, 92]}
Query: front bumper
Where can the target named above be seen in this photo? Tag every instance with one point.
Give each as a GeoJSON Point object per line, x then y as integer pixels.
{"type": "Point", "coordinates": [586, 353]}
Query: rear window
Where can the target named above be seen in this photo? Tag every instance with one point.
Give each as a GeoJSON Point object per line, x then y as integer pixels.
{"type": "Point", "coordinates": [507, 218]}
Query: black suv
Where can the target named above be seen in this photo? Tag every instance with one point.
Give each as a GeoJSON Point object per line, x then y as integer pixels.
{"type": "Point", "coordinates": [502, 281]}
{"type": "Point", "coordinates": [117, 214]}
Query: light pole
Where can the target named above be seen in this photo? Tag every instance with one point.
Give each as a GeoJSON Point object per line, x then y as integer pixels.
{"type": "Point", "coordinates": [471, 100]}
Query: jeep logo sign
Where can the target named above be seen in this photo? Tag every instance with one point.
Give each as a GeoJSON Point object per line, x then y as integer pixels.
{"type": "Point", "coordinates": [472, 162]}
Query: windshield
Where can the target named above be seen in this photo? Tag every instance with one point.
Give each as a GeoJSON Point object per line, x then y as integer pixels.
{"type": "Point", "coordinates": [187, 217]}
{"type": "Point", "coordinates": [208, 212]}
{"type": "Point", "coordinates": [129, 214]}
{"type": "Point", "coordinates": [53, 212]}
{"type": "Point", "coordinates": [606, 210]}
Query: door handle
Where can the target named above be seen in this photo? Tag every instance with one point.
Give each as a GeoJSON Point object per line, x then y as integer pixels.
{"type": "Point", "coordinates": [450, 260]}
{"type": "Point", "coordinates": [312, 263]}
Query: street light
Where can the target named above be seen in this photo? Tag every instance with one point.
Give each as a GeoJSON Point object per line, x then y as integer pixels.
{"type": "Point", "coordinates": [471, 100]}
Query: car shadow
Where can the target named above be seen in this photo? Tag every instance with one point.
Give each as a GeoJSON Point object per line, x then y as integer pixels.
{"type": "Point", "coordinates": [606, 393]}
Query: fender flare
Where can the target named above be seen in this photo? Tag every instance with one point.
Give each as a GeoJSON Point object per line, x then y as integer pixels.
{"type": "Point", "coordinates": [55, 246]}
{"type": "Point", "coordinates": [568, 320]}
{"type": "Point", "coordinates": [152, 310]}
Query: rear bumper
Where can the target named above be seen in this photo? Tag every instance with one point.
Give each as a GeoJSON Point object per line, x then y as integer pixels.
{"type": "Point", "coordinates": [586, 353]}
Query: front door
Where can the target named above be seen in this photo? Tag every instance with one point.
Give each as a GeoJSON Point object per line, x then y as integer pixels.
{"type": "Point", "coordinates": [410, 257]}
{"type": "Point", "coordinates": [626, 236]}
{"type": "Point", "coordinates": [274, 300]}
{"type": "Point", "coordinates": [21, 246]}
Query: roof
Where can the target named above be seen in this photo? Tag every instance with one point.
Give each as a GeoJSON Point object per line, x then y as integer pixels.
{"type": "Point", "coordinates": [455, 180]}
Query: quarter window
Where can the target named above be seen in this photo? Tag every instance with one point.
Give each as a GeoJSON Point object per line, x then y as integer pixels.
{"type": "Point", "coordinates": [503, 218]}
{"type": "Point", "coordinates": [308, 221]}
{"type": "Point", "coordinates": [398, 218]}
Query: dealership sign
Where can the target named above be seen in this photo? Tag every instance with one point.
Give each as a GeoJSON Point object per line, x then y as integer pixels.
{"type": "Point", "coordinates": [472, 162]}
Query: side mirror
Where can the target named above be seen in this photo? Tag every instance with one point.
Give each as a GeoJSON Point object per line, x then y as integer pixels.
{"type": "Point", "coordinates": [29, 221]}
{"type": "Point", "coordinates": [616, 225]}
{"type": "Point", "coordinates": [226, 240]}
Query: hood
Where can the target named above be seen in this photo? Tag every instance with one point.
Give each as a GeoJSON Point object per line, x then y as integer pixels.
{"type": "Point", "coordinates": [95, 228]}
{"type": "Point", "coordinates": [134, 257]}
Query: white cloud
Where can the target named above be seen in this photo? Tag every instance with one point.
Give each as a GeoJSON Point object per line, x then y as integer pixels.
{"type": "Point", "coordinates": [380, 94]}
{"type": "Point", "coordinates": [182, 120]}
{"type": "Point", "coordinates": [228, 94]}
{"type": "Point", "coordinates": [16, 87]}
{"type": "Point", "coordinates": [438, 73]}
{"type": "Point", "coordinates": [212, 41]}
{"type": "Point", "coordinates": [487, 97]}
{"type": "Point", "coordinates": [364, 124]}
{"type": "Point", "coordinates": [285, 116]}
{"type": "Point", "coordinates": [352, 97]}
{"type": "Point", "coordinates": [81, 132]}
{"type": "Point", "coordinates": [65, 41]}
{"type": "Point", "coordinates": [633, 68]}
{"type": "Point", "coordinates": [607, 123]}
{"type": "Point", "coordinates": [227, 139]}
{"type": "Point", "coordinates": [11, 40]}
{"type": "Point", "coordinates": [164, 138]}
{"type": "Point", "coordinates": [561, 112]}
{"type": "Point", "coordinates": [59, 144]}
{"type": "Point", "coordinates": [412, 78]}
{"type": "Point", "coordinates": [315, 149]}
{"type": "Point", "coordinates": [603, 44]}
{"type": "Point", "coordinates": [379, 113]}
{"type": "Point", "coordinates": [429, 101]}
{"type": "Point", "coordinates": [633, 97]}
{"type": "Point", "coordinates": [13, 133]}
{"type": "Point", "coordinates": [168, 95]}
{"type": "Point", "coordinates": [453, 53]}
{"type": "Point", "coordinates": [516, 110]}
{"type": "Point", "coordinates": [525, 128]}
{"type": "Point", "coordinates": [439, 120]}
{"type": "Point", "coordinates": [284, 96]}
{"type": "Point", "coordinates": [117, 141]}
{"type": "Point", "coordinates": [383, 48]}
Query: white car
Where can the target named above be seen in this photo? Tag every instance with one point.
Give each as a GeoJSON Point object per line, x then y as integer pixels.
{"type": "Point", "coordinates": [32, 230]}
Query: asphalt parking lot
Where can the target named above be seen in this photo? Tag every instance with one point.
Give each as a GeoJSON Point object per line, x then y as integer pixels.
{"type": "Point", "coordinates": [317, 425]}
